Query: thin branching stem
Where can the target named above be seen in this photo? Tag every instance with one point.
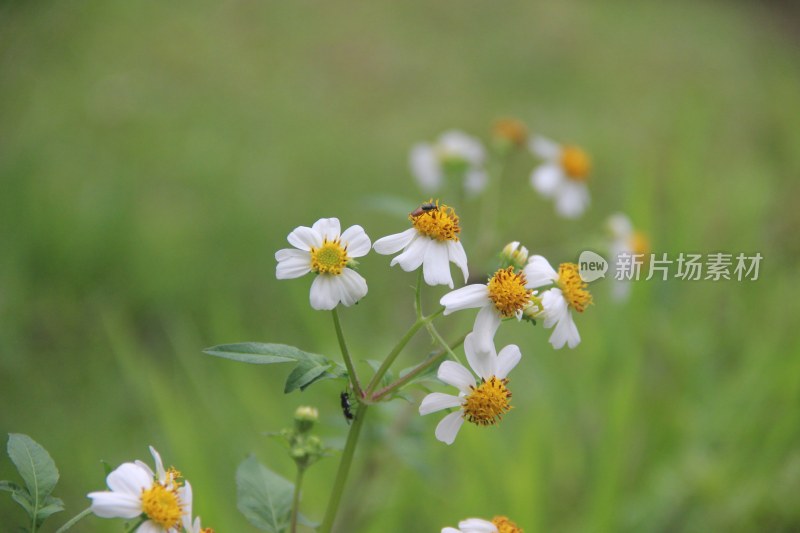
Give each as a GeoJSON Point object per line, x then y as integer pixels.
{"type": "Point", "coordinates": [348, 361]}
{"type": "Point", "coordinates": [75, 519]}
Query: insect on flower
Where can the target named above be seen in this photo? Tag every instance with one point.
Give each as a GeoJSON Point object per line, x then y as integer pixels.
{"type": "Point", "coordinates": [424, 208]}
{"type": "Point", "coordinates": [345, 401]}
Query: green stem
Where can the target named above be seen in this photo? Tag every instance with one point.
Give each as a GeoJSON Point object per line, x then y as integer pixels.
{"type": "Point", "coordinates": [443, 343]}
{"type": "Point", "coordinates": [387, 363]}
{"type": "Point", "coordinates": [296, 499]}
{"type": "Point", "coordinates": [75, 519]}
{"type": "Point", "coordinates": [344, 469]}
{"type": "Point", "coordinates": [348, 361]}
{"type": "Point", "coordinates": [433, 359]}
{"type": "Point", "coordinates": [136, 525]}
{"type": "Point", "coordinates": [418, 296]}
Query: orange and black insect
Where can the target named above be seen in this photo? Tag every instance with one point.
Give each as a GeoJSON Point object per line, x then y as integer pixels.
{"type": "Point", "coordinates": [345, 401]}
{"type": "Point", "coordinates": [424, 208]}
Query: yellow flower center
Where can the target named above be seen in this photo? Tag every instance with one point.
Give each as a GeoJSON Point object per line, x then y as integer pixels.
{"type": "Point", "coordinates": [573, 287]}
{"type": "Point", "coordinates": [440, 222]}
{"type": "Point", "coordinates": [639, 243]}
{"type": "Point", "coordinates": [508, 293]}
{"type": "Point", "coordinates": [330, 258]}
{"type": "Point", "coordinates": [575, 163]}
{"type": "Point", "coordinates": [487, 402]}
{"type": "Point", "coordinates": [162, 505]}
{"type": "Point", "coordinates": [504, 525]}
{"type": "Point", "coordinates": [511, 130]}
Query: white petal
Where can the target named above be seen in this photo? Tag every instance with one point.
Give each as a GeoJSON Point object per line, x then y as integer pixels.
{"type": "Point", "coordinates": [328, 228]}
{"type": "Point", "coordinates": [115, 504]}
{"type": "Point", "coordinates": [450, 530]}
{"type": "Point", "coordinates": [565, 332]}
{"type": "Point", "coordinates": [436, 401]}
{"type": "Point", "coordinates": [572, 199]}
{"type": "Point", "coordinates": [356, 240]}
{"type": "Point", "coordinates": [555, 307]}
{"type": "Point", "coordinates": [458, 256]}
{"type": "Point", "coordinates": [507, 359]}
{"type": "Point", "coordinates": [477, 525]}
{"type": "Point", "coordinates": [481, 361]}
{"type": "Point", "coordinates": [539, 273]}
{"type": "Point", "coordinates": [161, 474]}
{"type": "Point", "coordinates": [413, 256]}
{"type": "Point", "coordinates": [620, 226]}
{"type": "Point", "coordinates": [394, 243]}
{"type": "Point", "coordinates": [324, 294]}
{"type": "Point", "coordinates": [185, 494]}
{"type": "Point", "coordinates": [305, 238]}
{"type": "Point", "coordinates": [425, 167]}
{"type": "Point", "coordinates": [352, 286]}
{"type": "Point", "coordinates": [486, 324]}
{"type": "Point", "coordinates": [547, 179]}
{"type": "Point", "coordinates": [129, 478]}
{"type": "Point", "coordinates": [447, 429]}
{"type": "Point", "coordinates": [150, 527]}
{"type": "Point", "coordinates": [468, 297]}
{"type": "Point", "coordinates": [475, 181]}
{"type": "Point", "coordinates": [545, 148]}
{"type": "Point", "coordinates": [456, 375]}
{"type": "Point", "coordinates": [459, 144]}
{"type": "Point", "coordinates": [292, 263]}
{"type": "Point", "coordinates": [436, 265]}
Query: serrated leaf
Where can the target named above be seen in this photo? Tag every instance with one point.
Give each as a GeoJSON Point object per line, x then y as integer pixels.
{"type": "Point", "coordinates": [311, 367]}
{"type": "Point", "coordinates": [263, 497]}
{"type": "Point", "coordinates": [10, 486]}
{"type": "Point", "coordinates": [36, 468]}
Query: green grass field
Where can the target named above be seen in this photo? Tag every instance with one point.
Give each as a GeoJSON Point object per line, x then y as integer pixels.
{"type": "Point", "coordinates": [154, 156]}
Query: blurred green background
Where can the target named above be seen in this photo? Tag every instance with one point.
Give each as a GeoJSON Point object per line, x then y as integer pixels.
{"type": "Point", "coordinates": [154, 155]}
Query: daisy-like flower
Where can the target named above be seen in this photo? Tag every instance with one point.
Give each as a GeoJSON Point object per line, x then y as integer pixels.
{"type": "Point", "coordinates": [326, 251]}
{"type": "Point", "coordinates": [432, 243]}
{"type": "Point", "coordinates": [498, 524]}
{"type": "Point", "coordinates": [160, 497]}
{"type": "Point", "coordinates": [507, 294]}
{"type": "Point", "coordinates": [563, 175]}
{"type": "Point", "coordinates": [569, 294]}
{"type": "Point", "coordinates": [195, 526]}
{"type": "Point", "coordinates": [454, 153]}
{"type": "Point", "coordinates": [625, 240]}
{"type": "Point", "coordinates": [481, 401]}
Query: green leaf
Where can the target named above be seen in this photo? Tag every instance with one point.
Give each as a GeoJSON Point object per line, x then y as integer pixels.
{"type": "Point", "coordinates": [37, 470]}
{"type": "Point", "coordinates": [24, 499]}
{"type": "Point", "coordinates": [51, 506]}
{"type": "Point", "coordinates": [311, 367]}
{"type": "Point", "coordinates": [387, 378]}
{"type": "Point", "coordinates": [302, 519]}
{"type": "Point", "coordinates": [263, 497]}
{"type": "Point", "coordinates": [10, 486]}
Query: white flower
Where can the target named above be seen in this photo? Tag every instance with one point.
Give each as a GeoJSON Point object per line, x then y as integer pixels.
{"type": "Point", "coordinates": [454, 152]}
{"type": "Point", "coordinates": [625, 240]}
{"type": "Point", "coordinates": [507, 294]}
{"type": "Point", "coordinates": [498, 524]}
{"type": "Point", "coordinates": [432, 243]}
{"type": "Point", "coordinates": [136, 491]}
{"type": "Point", "coordinates": [569, 294]}
{"type": "Point", "coordinates": [481, 402]}
{"type": "Point", "coordinates": [562, 177]}
{"type": "Point", "coordinates": [326, 251]}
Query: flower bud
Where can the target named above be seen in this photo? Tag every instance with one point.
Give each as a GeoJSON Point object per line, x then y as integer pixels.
{"type": "Point", "coordinates": [305, 417]}
{"type": "Point", "coordinates": [509, 133]}
{"type": "Point", "coordinates": [514, 254]}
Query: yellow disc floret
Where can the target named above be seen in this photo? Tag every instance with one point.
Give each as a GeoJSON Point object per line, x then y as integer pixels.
{"type": "Point", "coordinates": [573, 287]}
{"type": "Point", "coordinates": [575, 163]}
{"type": "Point", "coordinates": [504, 525]}
{"type": "Point", "coordinates": [436, 221]}
{"type": "Point", "coordinates": [512, 130]}
{"type": "Point", "coordinates": [508, 293]}
{"type": "Point", "coordinates": [330, 258]}
{"type": "Point", "coordinates": [487, 402]}
{"type": "Point", "coordinates": [162, 505]}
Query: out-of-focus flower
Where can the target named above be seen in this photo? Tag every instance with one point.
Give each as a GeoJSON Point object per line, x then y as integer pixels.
{"type": "Point", "coordinates": [507, 294]}
{"type": "Point", "coordinates": [432, 243]}
{"type": "Point", "coordinates": [569, 293]}
{"type": "Point", "coordinates": [161, 497]}
{"type": "Point", "coordinates": [562, 176]}
{"type": "Point", "coordinates": [326, 251]}
{"type": "Point", "coordinates": [509, 133]}
{"type": "Point", "coordinates": [625, 240]}
{"type": "Point", "coordinates": [482, 402]}
{"type": "Point", "coordinates": [454, 154]}
{"type": "Point", "coordinates": [498, 524]}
